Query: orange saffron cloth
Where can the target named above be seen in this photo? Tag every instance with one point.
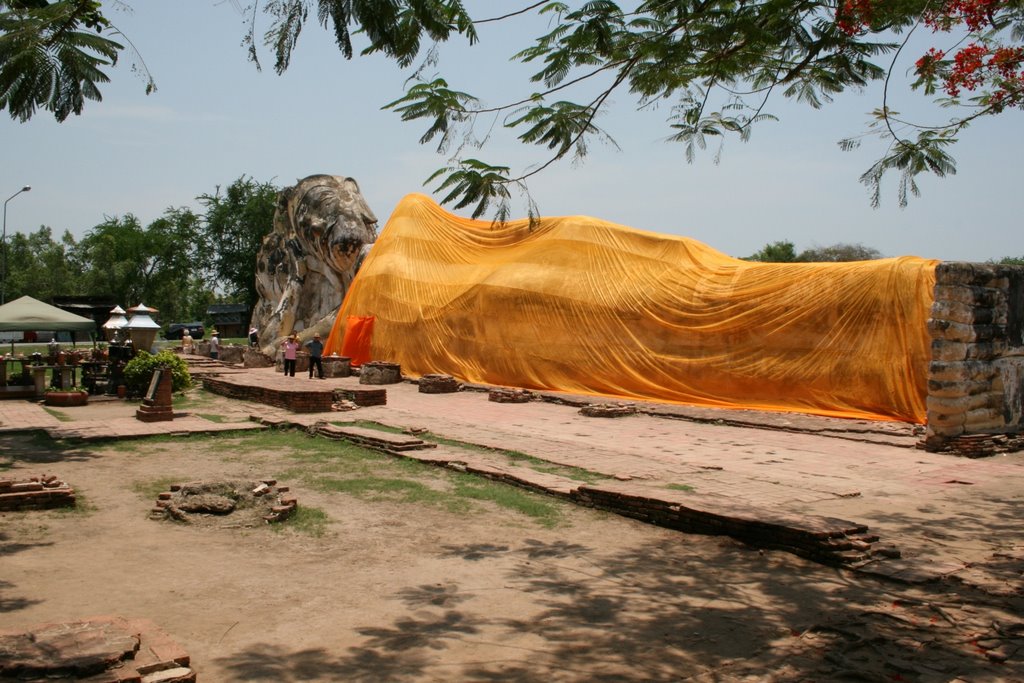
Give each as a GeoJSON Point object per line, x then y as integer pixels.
{"type": "Point", "coordinates": [580, 305]}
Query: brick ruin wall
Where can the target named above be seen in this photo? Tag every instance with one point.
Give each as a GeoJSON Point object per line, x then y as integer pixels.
{"type": "Point", "coordinates": [976, 374]}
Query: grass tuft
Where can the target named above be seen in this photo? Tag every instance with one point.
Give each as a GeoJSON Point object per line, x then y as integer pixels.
{"type": "Point", "coordinates": [306, 520]}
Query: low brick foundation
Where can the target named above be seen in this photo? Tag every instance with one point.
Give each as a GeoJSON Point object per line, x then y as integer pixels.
{"type": "Point", "coordinates": [363, 397]}
{"type": "Point", "coordinates": [35, 493]}
{"type": "Point", "coordinates": [296, 400]}
{"type": "Point", "coordinates": [822, 539]}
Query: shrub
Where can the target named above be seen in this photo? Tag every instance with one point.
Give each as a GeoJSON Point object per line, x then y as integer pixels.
{"type": "Point", "coordinates": [138, 372]}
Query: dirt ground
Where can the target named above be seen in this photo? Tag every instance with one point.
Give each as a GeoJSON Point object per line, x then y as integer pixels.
{"type": "Point", "coordinates": [439, 586]}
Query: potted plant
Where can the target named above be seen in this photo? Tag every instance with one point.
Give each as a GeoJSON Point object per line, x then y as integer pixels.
{"type": "Point", "coordinates": [66, 397]}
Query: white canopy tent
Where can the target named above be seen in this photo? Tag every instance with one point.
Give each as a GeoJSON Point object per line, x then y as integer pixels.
{"type": "Point", "coordinates": [27, 313]}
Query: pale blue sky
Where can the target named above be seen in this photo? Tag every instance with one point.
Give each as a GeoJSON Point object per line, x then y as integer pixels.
{"type": "Point", "coordinates": [214, 117]}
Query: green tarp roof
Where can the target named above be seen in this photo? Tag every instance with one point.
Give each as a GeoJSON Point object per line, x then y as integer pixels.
{"type": "Point", "coordinates": [27, 313]}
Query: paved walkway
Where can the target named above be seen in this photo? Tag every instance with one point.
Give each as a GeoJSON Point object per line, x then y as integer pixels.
{"type": "Point", "coordinates": [947, 515]}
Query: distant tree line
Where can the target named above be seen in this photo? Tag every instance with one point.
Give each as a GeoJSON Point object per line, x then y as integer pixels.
{"type": "Point", "coordinates": [785, 251]}
{"type": "Point", "coordinates": [179, 264]}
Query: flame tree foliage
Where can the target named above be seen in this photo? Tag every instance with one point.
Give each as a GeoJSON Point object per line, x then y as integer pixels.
{"type": "Point", "coordinates": [179, 263]}
{"type": "Point", "coordinates": [718, 64]}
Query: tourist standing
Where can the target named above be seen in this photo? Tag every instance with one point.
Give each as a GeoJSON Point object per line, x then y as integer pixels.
{"type": "Point", "coordinates": [316, 353]}
{"type": "Point", "coordinates": [186, 342]}
{"type": "Point", "coordinates": [291, 346]}
{"type": "Point", "coordinates": [215, 345]}
{"type": "Point", "coordinates": [253, 336]}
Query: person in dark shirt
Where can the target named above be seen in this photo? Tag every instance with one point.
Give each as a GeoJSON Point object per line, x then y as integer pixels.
{"type": "Point", "coordinates": [316, 353]}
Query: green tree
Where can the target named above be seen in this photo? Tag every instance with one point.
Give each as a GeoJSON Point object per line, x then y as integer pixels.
{"type": "Point", "coordinates": [160, 265]}
{"type": "Point", "coordinates": [839, 252]}
{"type": "Point", "coordinates": [777, 252]}
{"type": "Point", "coordinates": [714, 65]}
{"type": "Point", "coordinates": [41, 267]}
{"type": "Point", "coordinates": [1010, 261]}
{"type": "Point", "coordinates": [784, 251]}
{"type": "Point", "coordinates": [234, 224]}
{"type": "Point", "coordinates": [178, 281]}
{"type": "Point", "coordinates": [52, 56]}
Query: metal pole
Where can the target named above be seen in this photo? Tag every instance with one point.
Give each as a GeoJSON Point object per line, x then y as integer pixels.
{"type": "Point", "coordinates": [3, 242]}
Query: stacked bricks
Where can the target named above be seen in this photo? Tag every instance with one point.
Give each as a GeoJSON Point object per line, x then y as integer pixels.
{"type": "Point", "coordinates": [982, 445]}
{"type": "Point", "coordinates": [608, 409]}
{"type": "Point", "coordinates": [157, 407]}
{"type": "Point", "coordinates": [438, 384]}
{"type": "Point", "coordinates": [976, 374]}
{"type": "Point", "coordinates": [295, 400]}
{"type": "Point", "coordinates": [510, 395]}
{"type": "Point", "coordinates": [380, 372]}
{"type": "Point", "coordinates": [372, 438]}
{"type": "Point", "coordinates": [286, 505]}
{"type": "Point", "coordinates": [35, 493]}
{"type": "Point", "coordinates": [362, 397]}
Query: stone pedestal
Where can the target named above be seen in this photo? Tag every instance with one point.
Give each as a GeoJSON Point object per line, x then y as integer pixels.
{"type": "Point", "coordinates": [38, 378]}
{"type": "Point", "coordinates": [254, 358]}
{"type": "Point", "coordinates": [337, 366]}
{"type": "Point", "coordinates": [231, 354]}
{"type": "Point", "coordinates": [156, 406]}
{"type": "Point", "coordinates": [380, 372]}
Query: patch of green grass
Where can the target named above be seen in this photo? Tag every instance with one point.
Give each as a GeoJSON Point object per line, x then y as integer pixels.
{"type": "Point", "coordinates": [510, 498]}
{"type": "Point", "coordinates": [340, 467]}
{"type": "Point", "coordinates": [306, 520]}
{"type": "Point", "coordinates": [211, 417]}
{"type": "Point", "coordinates": [679, 487]}
{"type": "Point", "coordinates": [393, 489]}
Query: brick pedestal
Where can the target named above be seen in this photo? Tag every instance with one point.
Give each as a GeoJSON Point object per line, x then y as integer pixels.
{"type": "Point", "coordinates": [156, 407]}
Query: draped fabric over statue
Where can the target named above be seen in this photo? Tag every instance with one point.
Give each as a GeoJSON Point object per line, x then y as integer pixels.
{"type": "Point", "coordinates": [580, 305]}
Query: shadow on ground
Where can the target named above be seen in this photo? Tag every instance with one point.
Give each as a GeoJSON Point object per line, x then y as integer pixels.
{"type": "Point", "coordinates": [664, 613]}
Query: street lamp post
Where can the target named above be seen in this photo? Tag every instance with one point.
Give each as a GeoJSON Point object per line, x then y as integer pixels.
{"type": "Point", "coordinates": [3, 242]}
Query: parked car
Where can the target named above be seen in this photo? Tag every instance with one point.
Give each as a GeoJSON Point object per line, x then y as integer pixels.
{"type": "Point", "coordinates": [177, 330]}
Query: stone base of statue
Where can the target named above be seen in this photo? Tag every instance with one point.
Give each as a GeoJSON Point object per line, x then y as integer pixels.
{"type": "Point", "coordinates": [380, 372]}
